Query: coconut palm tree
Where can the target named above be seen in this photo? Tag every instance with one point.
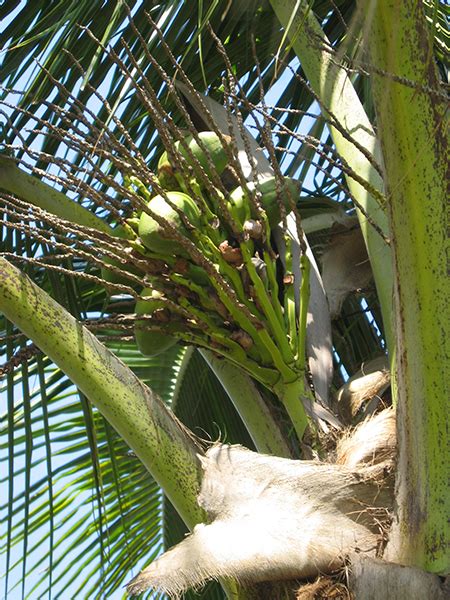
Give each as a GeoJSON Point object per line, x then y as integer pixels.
{"type": "Point", "coordinates": [99, 476]}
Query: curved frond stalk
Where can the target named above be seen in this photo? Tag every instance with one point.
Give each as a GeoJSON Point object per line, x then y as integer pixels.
{"type": "Point", "coordinates": [158, 439]}
{"type": "Point", "coordinates": [413, 135]}
{"type": "Point", "coordinates": [15, 181]}
{"type": "Point", "coordinates": [263, 428]}
{"type": "Point", "coordinates": [338, 99]}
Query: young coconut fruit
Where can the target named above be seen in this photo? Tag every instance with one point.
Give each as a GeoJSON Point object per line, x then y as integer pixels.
{"type": "Point", "coordinates": [111, 276]}
{"type": "Point", "coordinates": [152, 233]}
{"type": "Point", "coordinates": [150, 342]}
{"type": "Point", "coordinates": [214, 148]}
{"type": "Point", "coordinates": [239, 206]}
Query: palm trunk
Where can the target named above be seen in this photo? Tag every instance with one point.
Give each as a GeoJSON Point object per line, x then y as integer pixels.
{"type": "Point", "coordinates": [411, 125]}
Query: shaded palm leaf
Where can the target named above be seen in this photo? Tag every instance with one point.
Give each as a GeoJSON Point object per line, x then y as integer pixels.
{"type": "Point", "coordinates": [97, 500]}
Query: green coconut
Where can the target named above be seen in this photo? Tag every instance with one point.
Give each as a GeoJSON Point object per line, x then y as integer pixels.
{"type": "Point", "coordinates": [153, 235]}
{"type": "Point", "coordinates": [151, 342]}
{"type": "Point", "coordinates": [238, 203]}
{"type": "Point", "coordinates": [214, 148]}
{"type": "Point", "coordinates": [212, 144]}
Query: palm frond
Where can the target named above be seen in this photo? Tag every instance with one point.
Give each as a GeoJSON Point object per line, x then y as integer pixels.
{"type": "Point", "coordinates": [75, 488]}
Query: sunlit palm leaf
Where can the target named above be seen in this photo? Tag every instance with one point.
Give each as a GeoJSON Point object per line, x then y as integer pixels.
{"type": "Point", "coordinates": [177, 22]}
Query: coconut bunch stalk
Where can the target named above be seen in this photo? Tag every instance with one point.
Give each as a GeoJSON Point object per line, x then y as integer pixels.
{"type": "Point", "coordinates": [192, 242]}
{"type": "Point", "coordinates": [217, 287]}
{"type": "Point", "coordinates": [192, 239]}
{"type": "Point", "coordinates": [207, 225]}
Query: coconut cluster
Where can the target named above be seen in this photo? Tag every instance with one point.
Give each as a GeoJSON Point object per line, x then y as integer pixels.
{"type": "Point", "coordinates": [213, 278]}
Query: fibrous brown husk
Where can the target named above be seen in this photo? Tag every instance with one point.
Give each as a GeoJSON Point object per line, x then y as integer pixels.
{"type": "Point", "coordinates": [372, 442]}
{"type": "Point", "coordinates": [369, 382]}
{"type": "Point", "coordinates": [273, 519]}
{"type": "Point", "coordinates": [324, 588]}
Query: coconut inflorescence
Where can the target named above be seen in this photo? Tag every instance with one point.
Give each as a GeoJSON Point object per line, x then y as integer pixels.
{"type": "Point", "coordinates": [198, 243]}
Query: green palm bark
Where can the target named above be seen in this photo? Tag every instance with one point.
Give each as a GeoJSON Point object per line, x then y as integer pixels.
{"type": "Point", "coordinates": [413, 133]}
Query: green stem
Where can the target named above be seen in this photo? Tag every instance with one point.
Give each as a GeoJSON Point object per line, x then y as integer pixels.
{"type": "Point", "coordinates": [305, 267]}
{"type": "Point", "coordinates": [290, 395]}
{"type": "Point", "coordinates": [264, 344]}
{"type": "Point", "coordinates": [242, 320]}
{"type": "Point", "coordinates": [263, 428]}
{"type": "Point", "coordinates": [276, 329]}
{"type": "Point", "coordinates": [334, 88]}
{"type": "Point", "coordinates": [291, 318]}
{"type": "Point", "coordinates": [226, 270]}
{"type": "Point", "coordinates": [273, 286]}
{"type": "Point", "coordinates": [411, 124]}
{"type": "Point", "coordinates": [222, 337]}
{"type": "Point", "coordinates": [286, 372]}
{"type": "Point", "coordinates": [290, 311]}
{"type": "Point", "coordinates": [31, 189]}
{"type": "Point", "coordinates": [163, 445]}
{"type": "Point", "coordinates": [209, 216]}
{"type": "Point", "coordinates": [205, 320]}
{"type": "Point", "coordinates": [142, 189]}
{"type": "Point", "coordinates": [270, 353]}
{"type": "Point", "coordinates": [234, 277]}
{"type": "Point", "coordinates": [237, 356]}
